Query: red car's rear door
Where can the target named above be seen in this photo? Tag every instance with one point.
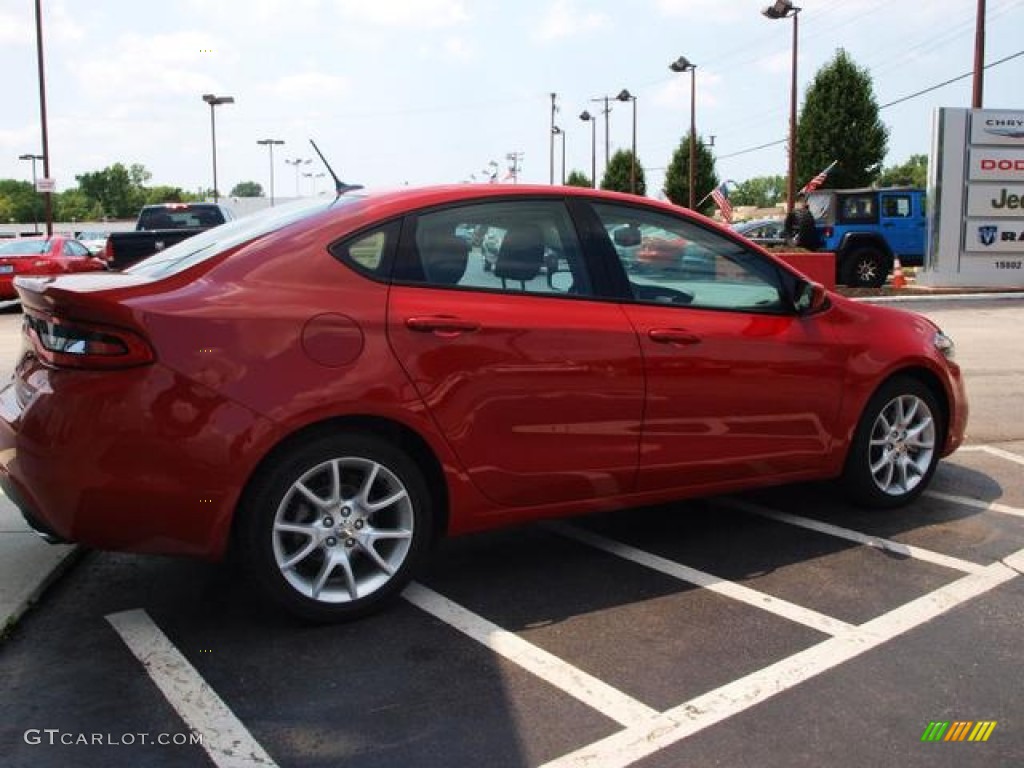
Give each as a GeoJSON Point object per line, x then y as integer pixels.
{"type": "Point", "coordinates": [539, 392]}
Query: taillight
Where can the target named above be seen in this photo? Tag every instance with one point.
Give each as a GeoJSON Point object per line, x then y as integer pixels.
{"type": "Point", "coordinates": [76, 344]}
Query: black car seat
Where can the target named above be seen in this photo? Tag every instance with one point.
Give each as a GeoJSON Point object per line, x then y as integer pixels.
{"type": "Point", "coordinates": [521, 255]}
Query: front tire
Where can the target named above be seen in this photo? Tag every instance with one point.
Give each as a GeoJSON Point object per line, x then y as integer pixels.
{"type": "Point", "coordinates": [336, 526]}
{"type": "Point", "coordinates": [895, 448]}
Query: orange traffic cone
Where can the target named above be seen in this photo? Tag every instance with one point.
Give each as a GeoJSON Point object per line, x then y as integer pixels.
{"type": "Point", "coordinates": [898, 280]}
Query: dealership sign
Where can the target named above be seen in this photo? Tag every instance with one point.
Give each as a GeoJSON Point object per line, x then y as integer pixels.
{"type": "Point", "coordinates": [976, 194]}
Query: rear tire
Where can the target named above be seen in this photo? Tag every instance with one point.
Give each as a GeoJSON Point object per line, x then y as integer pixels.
{"type": "Point", "coordinates": [865, 267]}
{"type": "Point", "coordinates": [336, 526]}
{"type": "Point", "coordinates": [895, 448]}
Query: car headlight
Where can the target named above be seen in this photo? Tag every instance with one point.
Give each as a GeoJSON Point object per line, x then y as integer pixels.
{"type": "Point", "coordinates": [945, 345]}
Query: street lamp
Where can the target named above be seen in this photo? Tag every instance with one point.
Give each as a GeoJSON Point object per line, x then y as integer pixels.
{"type": "Point", "coordinates": [551, 138]}
{"type": "Point", "coordinates": [782, 9]}
{"type": "Point", "coordinates": [978, 83]}
{"type": "Point", "coordinates": [589, 118]}
{"type": "Point", "coordinates": [625, 95]}
{"type": "Point", "coordinates": [556, 131]}
{"type": "Point", "coordinates": [214, 102]}
{"type": "Point", "coordinates": [297, 162]}
{"type": "Point", "coordinates": [683, 64]}
{"type": "Point", "coordinates": [269, 144]}
{"type": "Point", "coordinates": [35, 200]}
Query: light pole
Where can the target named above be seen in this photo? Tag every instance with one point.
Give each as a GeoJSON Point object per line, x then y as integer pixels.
{"type": "Point", "coordinates": [269, 144]}
{"type": "Point", "coordinates": [683, 64]}
{"type": "Point", "coordinates": [782, 9]}
{"type": "Point", "coordinates": [978, 83]}
{"type": "Point", "coordinates": [607, 111]}
{"type": "Point", "coordinates": [35, 200]}
{"type": "Point", "coordinates": [214, 102]}
{"type": "Point", "coordinates": [297, 162]}
{"type": "Point", "coordinates": [41, 68]}
{"type": "Point", "coordinates": [625, 95]}
{"type": "Point", "coordinates": [551, 140]}
{"type": "Point", "coordinates": [589, 118]}
{"type": "Point", "coordinates": [556, 131]}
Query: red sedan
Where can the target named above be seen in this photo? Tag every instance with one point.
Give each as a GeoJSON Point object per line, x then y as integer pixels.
{"type": "Point", "coordinates": [329, 389]}
{"type": "Point", "coordinates": [42, 256]}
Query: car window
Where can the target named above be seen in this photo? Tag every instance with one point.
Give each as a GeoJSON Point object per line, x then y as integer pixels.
{"type": "Point", "coordinates": [671, 260]}
{"type": "Point", "coordinates": [368, 251]}
{"type": "Point", "coordinates": [523, 246]}
{"type": "Point", "coordinates": [859, 208]}
{"type": "Point", "coordinates": [71, 248]}
{"type": "Point", "coordinates": [896, 206]}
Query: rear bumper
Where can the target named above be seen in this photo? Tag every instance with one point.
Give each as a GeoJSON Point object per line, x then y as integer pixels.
{"type": "Point", "coordinates": [139, 460]}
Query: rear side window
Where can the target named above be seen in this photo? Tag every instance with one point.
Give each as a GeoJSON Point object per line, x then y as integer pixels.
{"type": "Point", "coordinates": [514, 246]}
{"type": "Point", "coordinates": [369, 252]}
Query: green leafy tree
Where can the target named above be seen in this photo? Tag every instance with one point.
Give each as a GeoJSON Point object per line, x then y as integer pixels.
{"type": "Point", "coordinates": [760, 191]}
{"type": "Point", "coordinates": [164, 194]}
{"type": "Point", "coordinates": [247, 189]}
{"type": "Point", "coordinates": [617, 174]}
{"type": "Point", "coordinates": [677, 176]}
{"type": "Point", "coordinates": [578, 179]}
{"type": "Point", "coordinates": [839, 121]}
{"type": "Point", "coordinates": [19, 202]}
{"type": "Point", "coordinates": [117, 189]}
{"type": "Point", "coordinates": [74, 205]}
{"type": "Point", "coordinates": [913, 173]}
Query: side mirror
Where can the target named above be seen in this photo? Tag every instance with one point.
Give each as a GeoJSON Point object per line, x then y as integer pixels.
{"type": "Point", "coordinates": [810, 298]}
{"type": "Point", "coordinates": [627, 236]}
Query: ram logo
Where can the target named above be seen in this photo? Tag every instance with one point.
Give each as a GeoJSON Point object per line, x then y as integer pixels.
{"type": "Point", "coordinates": [987, 235]}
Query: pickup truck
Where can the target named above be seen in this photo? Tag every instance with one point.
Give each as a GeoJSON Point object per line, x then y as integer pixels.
{"type": "Point", "coordinates": [160, 226]}
{"type": "Point", "coordinates": [868, 228]}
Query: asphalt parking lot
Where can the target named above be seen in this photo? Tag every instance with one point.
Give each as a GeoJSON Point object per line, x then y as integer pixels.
{"type": "Point", "coordinates": [782, 628]}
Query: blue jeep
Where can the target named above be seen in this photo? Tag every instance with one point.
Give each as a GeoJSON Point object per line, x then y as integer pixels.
{"type": "Point", "coordinates": [868, 228]}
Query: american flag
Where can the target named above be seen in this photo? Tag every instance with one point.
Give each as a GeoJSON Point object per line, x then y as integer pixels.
{"type": "Point", "coordinates": [720, 195]}
{"type": "Point", "coordinates": [818, 180]}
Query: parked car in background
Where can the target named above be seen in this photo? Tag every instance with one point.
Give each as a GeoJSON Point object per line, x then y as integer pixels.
{"type": "Point", "coordinates": [328, 389]}
{"type": "Point", "coordinates": [868, 228]}
{"type": "Point", "coordinates": [94, 240]}
{"type": "Point", "coordinates": [766, 232]}
{"type": "Point", "coordinates": [42, 256]}
{"type": "Point", "coordinates": [161, 226]}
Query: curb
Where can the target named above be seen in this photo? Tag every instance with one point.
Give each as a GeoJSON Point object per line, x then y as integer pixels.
{"type": "Point", "coordinates": [19, 606]}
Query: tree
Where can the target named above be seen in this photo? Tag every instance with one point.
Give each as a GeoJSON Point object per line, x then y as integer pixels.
{"type": "Point", "coordinates": [74, 205]}
{"type": "Point", "coordinates": [164, 194]}
{"type": "Point", "coordinates": [19, 202]}
{"type": "Point", "coordinates": [617, 174]}
{"type": "Point", "coordinates": [677, 177]}
{"type": "Point", "coordinates": [759, 192]}
{"type": "Point", "coordinates": [839, 121]}
{"type": "Point", "coordinates": [117, 189]}
{"type": "Point", "coordinates": [247, 189]}
{"type": "Point", "coordinates": [578, 179]}
{"type": "Point", "coordinates": [913, 173]}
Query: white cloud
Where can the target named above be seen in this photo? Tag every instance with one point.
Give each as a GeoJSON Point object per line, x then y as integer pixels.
{"type": "Point", "coordinates": [137, 66]}
{"type": "Point", "coordinates": [310, 87]}
{"type": "Point", "coordinates": [563, 19]}
{"type": "Point", "coordinates": [406, 13]}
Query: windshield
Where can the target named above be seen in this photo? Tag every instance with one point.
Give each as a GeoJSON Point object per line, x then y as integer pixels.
{"type": "Point", "coordinates": [215, 241]}
{"type": "Point", "coordinates": [24, 247]}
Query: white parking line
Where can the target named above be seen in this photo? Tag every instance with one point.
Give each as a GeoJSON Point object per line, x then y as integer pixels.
{"type": "Point", "coordinates": [633, 744]}
{"type": "Point", "coordinates": [596, 694]}
{"type": "Point", "coordinates": [1002, 454]}
{"type": "Point", "coordinates": [765, 602]}
{"type": "Point", "coordinates": [888, 545]}
{"type": "Point", "coordinates": [967, 501]}
{"type": "Point", "coordinates": [228, 743]}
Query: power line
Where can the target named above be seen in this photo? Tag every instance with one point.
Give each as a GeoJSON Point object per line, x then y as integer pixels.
{"type": "Point", "coordinates": [886, 105]}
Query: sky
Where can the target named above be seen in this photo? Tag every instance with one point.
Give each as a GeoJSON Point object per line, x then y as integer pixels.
{"type": "Point", "coordinates": [433, 91]}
